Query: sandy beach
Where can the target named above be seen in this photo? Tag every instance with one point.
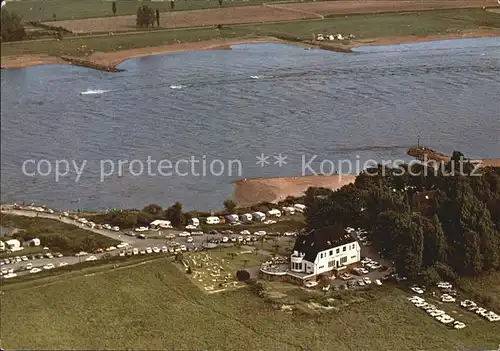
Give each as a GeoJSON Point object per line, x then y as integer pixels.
{"type": "Point", "coordinates": [248, 192]}
{"type": "Point", "coordinates": [112, 59]}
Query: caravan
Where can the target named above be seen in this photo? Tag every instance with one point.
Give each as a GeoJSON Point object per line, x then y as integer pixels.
{"type": "Point", "coordinates": [194, 222]}
{"type": "Point", "coordinates": [246, 218]}
{"type": "Point", "coordinates": [259, 216]}
{"type": "Point", "coordinates": [299, 208]}
{"type": "Point", "coordinates": [232, 218]}
{"type": "Point", "coordinates": [289, 210]}
{"type": "Point", "coordinates": [212, 220]}
{"type": "Point", "coordinates": [274, 213]}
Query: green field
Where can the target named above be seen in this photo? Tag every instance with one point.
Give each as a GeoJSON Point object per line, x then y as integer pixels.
{"type": "Point", "coordinates": [362, 26]}
{"type": "Point", "coordinates": [59, 236]}
{"type": "Point", "coordinates": [154, 306]}
{"type": "Point", "coordinates": [35, 10]}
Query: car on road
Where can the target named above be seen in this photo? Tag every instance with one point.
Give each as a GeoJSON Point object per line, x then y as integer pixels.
{"type": "Point", "coordinates": [189, 239]}
{"type": "Point", "coordinates": [58, 254]}
{"type": "Point", "coordinates": [91, 258]}
{"type": "Point", "coordinates": [367, 280]}
{"type": "Point", "coordinates": [49, 255]}
{"type": "Point", "coordinates": [245, 232]}
{"type": "Point", "coordinates": [28, 266]}
{"type": "Point", "coordinates": [18, 259]}
{"type": "Point", "coordinates": [48, 266]}
{"type": "Point", "coordinates": [149, 250]}
{"type": "Point", "coordinates": [62, 264]}
{"type": "Point", "coordinates": [181, 234]}
{"type": "Point", "coordinates": [170, 236]}
{"type": "Point", "coordinates": [35, 270]}
{"type": "Point", "coordinates": [111, 248]}
{"type": "Point", "coordinates": [115, 229]}
{"type": "Point", "coordinates": [122, 245]}
{"type": "Point", "coordinates": [156, 249]}
{"type": "Point", "coordinates": [81, 253]}
{"type": "Point", "coordinates": [24, 258]}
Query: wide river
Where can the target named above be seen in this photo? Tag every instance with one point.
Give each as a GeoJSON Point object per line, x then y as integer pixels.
{"type": "Point", "coordinates": [225, 107]}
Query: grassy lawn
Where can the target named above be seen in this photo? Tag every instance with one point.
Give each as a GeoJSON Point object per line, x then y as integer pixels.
{"type": "Point", "coordinates": [215, 270]}
{"type": "Point", "coordinates": [362, 26]}
{"type": "Point", "coordinates": [155, 306]}
{"type": "Point", "coordinates": [56, 235]}
{"type": "Point", "coordinates": [484, 290]}
{"type": "Point", "coordinates": [33, 10]}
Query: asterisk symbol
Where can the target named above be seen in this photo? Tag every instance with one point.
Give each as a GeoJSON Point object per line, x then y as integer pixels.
{"type": "Point", "coordinates": [280, 160]}
{"type": "Point", "coordinates": [262, 160]}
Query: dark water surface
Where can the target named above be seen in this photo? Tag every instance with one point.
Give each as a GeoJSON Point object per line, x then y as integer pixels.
{"type": "Point", "coordinates": [228, 105]}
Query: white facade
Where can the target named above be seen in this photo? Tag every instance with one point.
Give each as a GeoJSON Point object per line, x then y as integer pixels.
{"type": "Point", "coordinates": [326, 260]}
{"type": "Point", "coordinates": [246, 217]}
{"type": "Point", "coordinates": [194, 221]}
{"type": "Point", "coordinates": [259, 216]}
{"type": "Point", "coordinates": [212, 220]}
{"type": "Point", "coordinates": [274, 213]}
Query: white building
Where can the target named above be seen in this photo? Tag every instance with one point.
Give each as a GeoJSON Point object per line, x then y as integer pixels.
{"type": "Point", "coordinates": [158, 223]}
{"type": "Point", "coordinates": [323, 250]}
{"type": "Point", "coordinates": [259, 216]}
{"type": "Point", "coordinates": [13, 245]}
{"type": "Point", "coordinates": [274, 213]}
{"type": "Point", "coordinates": [212, 220]}
{"type": "Point", "coordinates": [246, 218]}
{"type": "Point", "coordinates": [194, 221]}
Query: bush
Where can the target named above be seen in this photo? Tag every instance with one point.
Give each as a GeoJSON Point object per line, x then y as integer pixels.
{"type": "Point", "coordinates": [242, 275]}
{"type": "Point", "coordinates": [11, 26]}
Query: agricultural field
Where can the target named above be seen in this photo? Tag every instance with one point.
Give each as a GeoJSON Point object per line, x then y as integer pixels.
{"type": "Point", "coordinates": [215, 270]}
{"type": "Point", "coordinates": [155, 306]}
{"type": "Point", "coordinates": [35, 10]}
{"type": "Point", "coordinates": [59, 236]}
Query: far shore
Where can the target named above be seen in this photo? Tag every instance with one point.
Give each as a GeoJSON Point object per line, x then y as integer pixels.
{"type": "Point", "coordinates": [110, 60]}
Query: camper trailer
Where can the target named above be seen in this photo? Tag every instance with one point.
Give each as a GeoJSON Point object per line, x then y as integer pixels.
{"type": "Point", "coordinates": [160, 224]}
{"type": "Point", "coordinates": [299, 208]}
{"type": "Point", "coordinates": [246, 218]}
{"type": "Point", "coordinates": [34, 242]}
{"type": "Point", "coordinates": [289, 210]}
{"type": "Point", "coordinates": [232, 218]}
{"type": "Point", "coordinates": [259, 216]}
{"type": "Point", "coordinates": [274, 213]}
{"type": "Point", "coordinates": [194, 221]}
{"type": "Point", "coordinates": [212, 220]}
{"type": "Point", "coordinates": [13, 245]}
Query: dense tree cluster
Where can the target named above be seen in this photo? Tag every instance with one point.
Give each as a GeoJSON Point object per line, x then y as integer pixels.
{"type": "Point", "coordinates": [11, 26]}
{"type": "Point", "coordinates": [146, 17]}
{"type": "Point", "coordinates": [438, 225]}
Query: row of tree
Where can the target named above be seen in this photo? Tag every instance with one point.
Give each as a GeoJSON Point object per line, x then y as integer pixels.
{"type": "Point", "coordinates": [146, 17]}
{"type": "Point", "coordinates": [457, 234]}
{"type": "Point", "coordinates": [11, 26]}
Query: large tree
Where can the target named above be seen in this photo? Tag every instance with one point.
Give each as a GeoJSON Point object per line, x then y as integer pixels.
{"type": "Point", "coordinates": [11, 26]}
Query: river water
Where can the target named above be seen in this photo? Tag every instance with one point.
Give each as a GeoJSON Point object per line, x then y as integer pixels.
{"type": "Point", "coordinates": [229, 106]}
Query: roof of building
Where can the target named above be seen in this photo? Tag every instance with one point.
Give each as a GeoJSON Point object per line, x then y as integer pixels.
{"type": "Point", "coordinates": [321, 239]}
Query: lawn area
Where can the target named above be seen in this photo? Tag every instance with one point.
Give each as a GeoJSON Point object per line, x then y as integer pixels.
{"type": "Point", "coordinates": [57, 236]}
{"type": "Point", "coordinates": [362, 26]}
{"type": "Point", "coordinates": [484, 290]}
{"type": "Point", "coordinates": [35, 10]}
{"type": "Point", "coordinates": [215, 270]}
{"type": "Point", "coordinates": [154, 306]}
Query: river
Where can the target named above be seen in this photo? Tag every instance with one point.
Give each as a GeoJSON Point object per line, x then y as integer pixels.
{"type": "Point", "coordinates": [226, 107]}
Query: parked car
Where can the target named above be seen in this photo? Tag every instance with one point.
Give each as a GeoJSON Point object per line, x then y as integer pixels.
{"type": "Point", "coordinates": [49, 266]}
{"type": "Point", "coordinates": [58, 254]}
{"type": "Point", "coordinates": [156, 249]}
{"type": "Point", "coordinates": [35, 270]}
{"type": "Point", "coordinates": [149, 250]}
{"type": "Point", "coordinates": [91, 258]}
{"type": "Point", "coordinates": [417, 289]}
{"type": "Point", "coordinates": [189, 239]}
{"type": "Point", "coordinates": [164, 249]}
{"type": "Point", "coordinates": [62, 264]}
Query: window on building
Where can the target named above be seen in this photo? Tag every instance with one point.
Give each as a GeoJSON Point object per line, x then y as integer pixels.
{"type": "Point", "coordinates": [330, 264]}
{"type": "Point", "coordinates": [331, 252]}
{"type": "Point", "coordinates": [343, 259]}
{"type": "Point", "coordinates": [344, 248]}
{"type": "Point", "coordinates": [338, 250]}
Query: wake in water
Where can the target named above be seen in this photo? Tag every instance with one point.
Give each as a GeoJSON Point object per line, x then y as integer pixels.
{"type": "Point", "coordinates": [94, 92]}
{"type": "Point", "coordinates": [255, 77]}
{"type": "Point", "coordinates": [176, 86]}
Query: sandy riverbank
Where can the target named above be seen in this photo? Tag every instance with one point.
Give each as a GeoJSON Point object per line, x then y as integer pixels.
{"type": "Point", "coordinates": [112, 59]}
{"type": "Point", "coordinates": [248, 192]}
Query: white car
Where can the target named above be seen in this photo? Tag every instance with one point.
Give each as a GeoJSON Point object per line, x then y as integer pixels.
{"type": "Point", "coordinates": [467, 303]}
{"type": "Point", "coordinates": [121, 245]}
{"type": "Point", "coordinates": [447, 298]}
{"type": "Point", "coordinates": [28, 266]}
{"type": "Point", "coordinates": [417, 289]}
{"type": "Point", "coordinates": [149, 250]}
{"type": "Point", "coordinates": [458, 325]}
{"type": "Point", "coordinates": [361, 282]}
{"type": "Point", "coordinates": [245, 232]}
{"type": "Point", "coordinates": [225, 239]}
{"type": "Point", "coordinates": [10, 275]}
{"type": "Point", "coordinates": [156, 249]}
{"type": "Point", "coordinates": [289, 233]}
{"type": "Point", "coordinates": [4, 271]}
{"type": "Point", "coordinates": [260, 233]}
{"type": "Point", "coordinates": [142, 252]}
{"type": "Point", "coordinates": [444, 285]}
{"type": "Point", "coordinates": [48, 266]}
{"type": "Point", "coordinates": [164, 249]}
{"type": "Point", "coordinates": [35, 270]}
{"type": "Point", "coordinates": [492, 317]}
{"type": "Point", "coordinates": [183, 247]}
{"type": "Point", "coordinates": [81, 253]}
{"type": "Point", "coordinates": [378, 282]}
{"type": "Point", "coordinates": [170, 236]}
{"type": "Point", "coordinates": [367, 280]}
{"type": "Point", "coordinates": [181, 234]}
{"type": "Point", "coordinates": [24, 258]}
{"type": "Point", "coordinates": [121, 253]}
{"type": "Point", "coordinates": [189, 239]}
{"type": "Point", "coordinates": [190, 227]}
{"type": "Point", "coordinates": [116, 229]}
{"type": "Point", "coordinates": [91, 258]}
{"type": "Point", "coordinates": [62, 264]}
{"type": "Point", "coordinates": [135, 251]}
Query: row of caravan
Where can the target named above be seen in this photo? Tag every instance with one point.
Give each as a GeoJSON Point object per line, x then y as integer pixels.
{"type": "Point", "coordinates": [249, 217]}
